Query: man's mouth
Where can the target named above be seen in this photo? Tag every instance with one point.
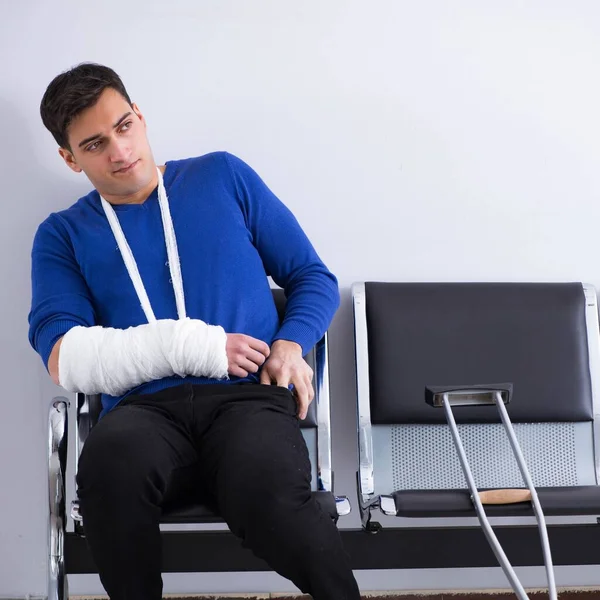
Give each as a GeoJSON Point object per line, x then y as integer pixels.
{"type": "Point", "coordinates": [128, 167]}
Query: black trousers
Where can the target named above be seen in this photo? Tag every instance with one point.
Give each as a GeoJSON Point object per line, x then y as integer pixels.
{"type": "Point", "coordinates": [241, 447]}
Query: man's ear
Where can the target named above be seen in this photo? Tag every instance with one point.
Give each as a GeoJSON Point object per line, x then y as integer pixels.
{"type": "Point", "coordinates": [139, 114]}
{"type": "Point", "coordinates": [69, 159]}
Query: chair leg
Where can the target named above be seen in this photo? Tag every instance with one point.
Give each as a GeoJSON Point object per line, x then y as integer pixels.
{"type": "Point", "coordinates": [58, 587]}
{"type": "Point", "coordinates": [57, 462]}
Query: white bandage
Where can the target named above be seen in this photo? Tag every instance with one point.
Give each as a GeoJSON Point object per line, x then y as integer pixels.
{"type": "Point", "coordinates": [97, 360]}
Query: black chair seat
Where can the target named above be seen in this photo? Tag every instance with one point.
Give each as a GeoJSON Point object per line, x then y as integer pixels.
{"type": "Point", "coordinates": [557, 501]}
{"type": "Point", "coordinates": [197, 512]}
{"type": "Point", "coordinates": [190, 512]}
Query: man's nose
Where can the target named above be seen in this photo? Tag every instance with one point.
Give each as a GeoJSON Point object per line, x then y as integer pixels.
{"type": "Point", "coordinates": [119, 152]}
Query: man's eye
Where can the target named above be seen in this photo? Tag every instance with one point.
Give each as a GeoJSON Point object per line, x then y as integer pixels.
{"type": "Point", "coordinates": [93, 146]}
{"type": "Point", "coordinates": [126, 126]}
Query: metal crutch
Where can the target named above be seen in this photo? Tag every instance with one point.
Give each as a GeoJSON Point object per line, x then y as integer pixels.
{"type": "Point", "coordinates": [499, 395]}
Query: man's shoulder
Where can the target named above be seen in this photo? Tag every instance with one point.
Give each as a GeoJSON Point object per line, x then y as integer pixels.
{"type": "Point", "coordinates": [59, 220]}
{"type": "Point", "coordinates": [211, 161]}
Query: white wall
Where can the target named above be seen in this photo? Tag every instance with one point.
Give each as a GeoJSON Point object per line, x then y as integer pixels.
{"type": "Point", "coordinates": [413, 140]}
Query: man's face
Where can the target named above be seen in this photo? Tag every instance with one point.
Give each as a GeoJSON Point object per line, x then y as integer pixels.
{"type": "Point", "coordinates": [109, 144]}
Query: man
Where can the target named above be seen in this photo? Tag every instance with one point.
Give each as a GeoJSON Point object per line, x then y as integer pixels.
{"type": "Point", "coordinates": [152, 289]}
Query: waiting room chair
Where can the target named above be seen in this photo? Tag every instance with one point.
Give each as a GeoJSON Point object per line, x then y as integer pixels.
{"type": "Point", "coordinates": [315, 428]}
{"type": "Point", "coordinates": [542, 338]}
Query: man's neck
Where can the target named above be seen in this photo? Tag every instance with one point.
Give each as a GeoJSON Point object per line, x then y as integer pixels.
{"type": "Point", "coordinates": [140, 196]}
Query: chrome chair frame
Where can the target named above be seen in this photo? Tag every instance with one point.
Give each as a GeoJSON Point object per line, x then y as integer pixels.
{"type": "Point", "coordinates": [57, 465]}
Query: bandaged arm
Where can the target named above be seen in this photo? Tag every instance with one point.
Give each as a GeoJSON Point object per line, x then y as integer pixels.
{"type": "Point", "coordinates": [97, 359]}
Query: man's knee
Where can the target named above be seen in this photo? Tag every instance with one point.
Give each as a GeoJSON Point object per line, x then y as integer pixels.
{"type": "Point", "coordinates": [263, 502]}
{"type": "Point", "coordinates": [267, 478]}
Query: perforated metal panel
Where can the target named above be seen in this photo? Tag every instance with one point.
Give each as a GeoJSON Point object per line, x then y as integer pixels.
{"type": "Point", "coordinates": [424, 457]}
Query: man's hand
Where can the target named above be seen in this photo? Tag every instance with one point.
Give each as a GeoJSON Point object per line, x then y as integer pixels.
{"type": "Point", "coordinates": [245, 354]}
{"type": "Point", "coordinates": [285, 366]}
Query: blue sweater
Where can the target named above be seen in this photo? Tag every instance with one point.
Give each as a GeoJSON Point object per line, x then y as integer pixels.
{"type": "Point", "coordinates": [231, 231]}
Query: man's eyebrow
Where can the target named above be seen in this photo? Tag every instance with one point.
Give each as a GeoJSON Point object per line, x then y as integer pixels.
{"type": "Point", "coordinates": [94, 137]}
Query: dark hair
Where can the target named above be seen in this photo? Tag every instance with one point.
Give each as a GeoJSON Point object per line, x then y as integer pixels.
{"type": "Point", "coordinates": [72, 92]}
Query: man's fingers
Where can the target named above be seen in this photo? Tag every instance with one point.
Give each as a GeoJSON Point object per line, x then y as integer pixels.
{"type": "Point", "coordinates": [248, 365]}
{"type": "Point", "coordinates": [265, 377]}
{"type": "Point", "coordinates": [238, 371]}
{"type": "Point", "coordinates": [311, 390]}
{"type": "Point", "coordinates": [302, 399]}
{"type": "Point", "coordinates": [259, 346]}
{"type": "Point", "coordinates": [256, 357]}
{"type": "Point", "coordinates": [283, 380]}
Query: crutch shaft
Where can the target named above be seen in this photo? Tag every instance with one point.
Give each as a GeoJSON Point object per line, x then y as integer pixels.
{"type": "Point", "coordinates": [485, 524]}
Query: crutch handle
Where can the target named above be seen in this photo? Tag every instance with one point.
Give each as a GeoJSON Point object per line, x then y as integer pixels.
{"type": "Point", "coordinates": [506, 496]}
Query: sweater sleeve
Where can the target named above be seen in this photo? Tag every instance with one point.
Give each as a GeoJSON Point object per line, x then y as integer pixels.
{"type": "Point", "coordinates": [289, 258]}
{"type": "Point", "coordinates": [60, 296]}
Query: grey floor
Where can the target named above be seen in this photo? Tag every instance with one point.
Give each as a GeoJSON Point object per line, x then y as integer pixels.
{"type": "Point", "coordinates": [573, 594]}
